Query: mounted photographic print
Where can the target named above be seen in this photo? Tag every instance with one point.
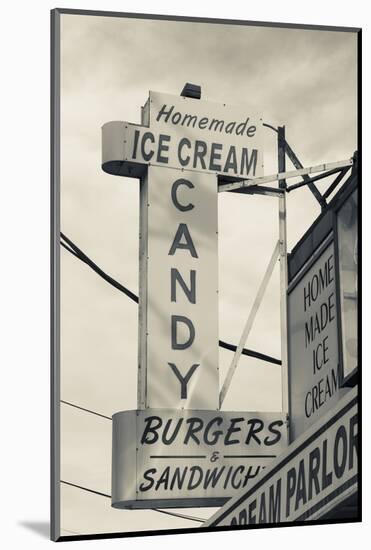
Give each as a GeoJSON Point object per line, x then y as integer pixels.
{"type": "Point", "coordinates": [205, 357]}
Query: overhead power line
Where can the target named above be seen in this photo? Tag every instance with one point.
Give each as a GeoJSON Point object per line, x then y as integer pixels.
{"type": "Point", "coordinates": [175, 514]}
{"type": "Point", "coordinates": [76, 251]}
{"type": "Point", "coordinates": [86, 410]}
{"type": "Point", "coordinates": [71, 247]}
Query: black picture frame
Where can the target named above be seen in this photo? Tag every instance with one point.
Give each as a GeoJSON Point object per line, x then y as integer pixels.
{"type": "Point", "coordinates": [55, 261]}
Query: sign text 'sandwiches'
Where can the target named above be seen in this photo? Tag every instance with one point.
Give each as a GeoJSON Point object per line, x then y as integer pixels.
{"type": "Point", "coordinates": [191, 455]}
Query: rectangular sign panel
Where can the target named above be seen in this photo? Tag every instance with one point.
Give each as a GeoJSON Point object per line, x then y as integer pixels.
{"type": "Point", "coordinates": [179, 290]}
{"type": "Point", "coordinates": [190, 458]}
{"type": "Point", "coordinates": [187, 134]}
{"type": "Point", "coordinates": [318, 471]}
{"type": "Point", "coordinates": [313, 347]}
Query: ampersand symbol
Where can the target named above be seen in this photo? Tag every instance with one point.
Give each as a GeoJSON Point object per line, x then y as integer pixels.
{"type": "Point", "coordinates": [214, 456]}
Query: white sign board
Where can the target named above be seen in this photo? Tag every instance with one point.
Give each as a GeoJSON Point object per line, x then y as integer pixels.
{"type": "Point", "coordinates": [203, 455]}
{"type": "Point", "coordinates": [188, 134]}
{"type": "Point", "coordinates": [313, 348]}
{"type": "Point", "coordinates": [318, 471]}
{"type": "Point", "coordinates": [175, 458]}
{"type": "Point", "coordinates": [179, 302]}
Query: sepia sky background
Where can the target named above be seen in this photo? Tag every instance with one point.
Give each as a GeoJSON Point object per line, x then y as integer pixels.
{"type": "Point", "coordinates": [303, 79]}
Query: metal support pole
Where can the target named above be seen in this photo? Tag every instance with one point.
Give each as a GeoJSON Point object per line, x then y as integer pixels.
{"type": "Point", "coordinates": [296, 162]}
{"type": "Point", "coordinates": [282, 222]}
{"type": "Point", "coordinates": [248, 326]}
{"type": "Point", "coordinates": [246, 184]}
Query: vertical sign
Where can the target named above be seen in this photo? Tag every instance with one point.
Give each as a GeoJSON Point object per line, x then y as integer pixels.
{"type": "Point", "coordinates": [179, 270]}
{"type": "Point", "coordinates": [313, 344]}
{"type": "Point", "coordinates": [178, 449]}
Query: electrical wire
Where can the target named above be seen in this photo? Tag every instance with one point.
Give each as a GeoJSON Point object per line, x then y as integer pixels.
{"type": "Point", "coordinates": [76, 251]}
{"type": "Point", "coordinates": [175, 514]}
{"type": "Point", "coordinates": [86, 410]}
{"type": "Point", "coordinates": [71, 247]}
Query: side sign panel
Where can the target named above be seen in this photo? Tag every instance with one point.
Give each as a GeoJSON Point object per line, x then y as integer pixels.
{"type": "Point", "coordinates": [190, 458]}
{"type": "Point", "coordinates": [313, 344]}
{"type": "Point", "coordinates": [317, 471]}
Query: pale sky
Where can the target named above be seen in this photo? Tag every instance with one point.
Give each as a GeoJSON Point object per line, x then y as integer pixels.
{"type": "Point", "coordinates": [303, 79]}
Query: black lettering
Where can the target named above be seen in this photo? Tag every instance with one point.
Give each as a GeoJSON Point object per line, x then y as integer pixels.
{"type": "Point", "coordinates": [195, 425]}
{"type": "Point", "coordinates": [147, 477]}
{"type": "Point", "coordinates": [178, 478]}
{"type": "Point", "coordinates": [199, 154]}
{"type": "Point", "coordinates": [135, 145]}
{"type": "Point", "coordinates": [183, 380]}
{"type": "Point", "coordinates": [320, 392]}
{"type": "Point", "coordinates": [249, 474]}
{"type": "Point", "coordinates": [251, 131]}
{"type": "Point", "coordinates": [212, 476]}
{"type": "Point", "coordinates": [150, 435]}
{"type": "Point", "coordinates": [147, 136]}
{"type": "Point", "coordinates": [218, 420]}
{"type": "Point", "coordinates": [164, 479]}
{"type": "Point", "coordinates": [309, 332]}
{"type": "Point", "coordinates": [237, 484]}
{"type": "Point", "coordinates": [314, 287]}
{"type": "Point", "coordinates": [262, 510]}
{"type": "Point", "coordinates": [340, 462]}
{"type": "Point", "coordinates": [306, 296]}
{"type": "Point", "coordinates": [164, 113]}
{"type": "Point", "coordinates": [248, 163]}
{"type": "Point", "coordinates": [215, 156]}
{"type": "Point", "coordinates": [175, 319]}
{"type": "Point", "coordinates": [256, 425]}
{"type": "Point", "coordinates": [203, 123]}
{"type": "Point", "coordinates": [176, 118]}
{"type": "Point", "coordinates": [301, 490]}
{"type": "Point", "coordinates": [353, 439]}
{"type": "Point", "coordinates": [183, 142]}
{"type": "Point", "coordinates": [241, 128]}
{"type": "Point", "coordinates": [314, 464]}
{"type": "Point", "coordinates": [193, 484]}
{"type": "Point", "coordinates": [276, 433]}
{"type": "Point", "coordinates": [330, 267]}
{"type": "Point", "coordinates": [166, 438]}
{"type": "Point", "coordinates": [231, 430]}
{"type": "Point", "coordinates": [326, 476]}
{"type": "Point", "coordinates": [325, 350]}
{"type": "Point", "coordinates": [183, 231]}
{"type": "Point", "coordinates": [162, 148]}
{"type": "Point", "coordinates": [218, 124]}
{"type": "Point", "coordinates": [315, 398]}
{"type": "Point", "coordinates": [231, 160]}
{"type": "Point", "coordinates": [252, 516]}
{"type": "Point", "coordinates": [174, 198]}
{"type": "Point", "coordinates": [188, 120]}
{"type": "Point", "coordinates": [290, 491]}
{"type": "Point", "coordinates": [275, 502]}
{"type": "Point", "coordinates": [308, 407]}
{"type": "Point", "coordinates": [230, 127]}
{"type": "Point", "coordinates": [242, 517]}
{"type": "Point", "coordinates": [190, 291]}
